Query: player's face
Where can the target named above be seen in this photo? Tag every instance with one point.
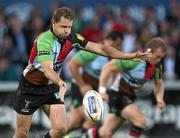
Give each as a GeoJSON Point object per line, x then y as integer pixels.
{"type": "Point", "coordinates": [116, 43]}
{"type": "Point", "coordinates": [156, 56]}
{"type": "Point", "coordinates": [62, 28]}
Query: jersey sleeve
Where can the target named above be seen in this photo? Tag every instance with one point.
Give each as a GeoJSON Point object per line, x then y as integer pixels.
{"type": "Point", "coordinates": [77, 40]}
{"type": "Point", "coordinates": [85, 57]}
{"type": "Point", "coordinates": [158, 72]}
{"type": "Point", "coordinates": [44, 50]}
{"type": "Point", "coordinates": [124, 65]}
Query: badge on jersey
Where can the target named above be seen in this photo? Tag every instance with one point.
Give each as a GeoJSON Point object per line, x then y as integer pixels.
{"type": "Point", "coordinates": [80, 37]}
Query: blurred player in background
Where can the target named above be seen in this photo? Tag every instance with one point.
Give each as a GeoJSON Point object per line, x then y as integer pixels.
{"type": "Point", "coordinates": [90, 65]}
{"type": "Point", "coordinates": [134, 75]}
{"type": "Point", "coordinates": [41, 84]}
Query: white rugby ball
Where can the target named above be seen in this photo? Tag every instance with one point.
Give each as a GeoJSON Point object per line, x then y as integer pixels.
{"type": "Point", "coordinates": [93, 105]}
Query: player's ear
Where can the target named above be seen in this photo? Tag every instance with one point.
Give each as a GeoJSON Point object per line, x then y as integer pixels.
{"type": "Point", "coordinates": [52, 21]}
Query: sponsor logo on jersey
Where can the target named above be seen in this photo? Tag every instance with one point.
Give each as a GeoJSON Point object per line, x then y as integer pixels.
{"type": "Point", "coordinates": [44, 53]}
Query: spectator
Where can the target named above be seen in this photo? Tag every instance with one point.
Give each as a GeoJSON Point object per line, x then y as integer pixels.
{"type": "Point", "coordinates": [169, 64]}
{"type": "Point", "coordinates": [129, 37]}
{"type": "Point", "coordinates": [33, 27]}
{"type": "Point", "coordinates": [7, 69]}
{"type": "Point", "coordinates": [78, 24]}
{"type": "Point", "coordinates": [143, 36]}
{"type": "Point", "coordinates": [93, 32]}
{"type": "Point", "coordinates": [15, 30]}
{"type": "Point", "coordinates": [3, 26]}
{"type": "Point", "coordinates": [151, 20]}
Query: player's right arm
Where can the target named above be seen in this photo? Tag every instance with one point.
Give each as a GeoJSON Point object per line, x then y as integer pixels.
{"type": "Point", "coordinates": [46, 60]}
{"type": "Point", "coordinates": [114, 66]}
{"type": "Point", "coordinates": [106, 73]}
{"type": "Point", "coordinates": [54, 77]}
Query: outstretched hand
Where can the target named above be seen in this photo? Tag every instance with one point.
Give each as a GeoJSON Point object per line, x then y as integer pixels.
{"type": "Point", "coordinates": [142, 55]}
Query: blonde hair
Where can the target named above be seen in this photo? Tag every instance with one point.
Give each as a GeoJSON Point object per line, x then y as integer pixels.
{"type": "Point", "coordinates": [156, 43]}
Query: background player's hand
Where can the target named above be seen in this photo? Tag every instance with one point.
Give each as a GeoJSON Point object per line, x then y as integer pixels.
{"type": "Point", "coordinates": [62, 90]}
{"type": "Point", "coordinates": [105, 96]}
{"type": "Point", "coordinates": [85, 88]}
{"type": "Point", "coordinates": [161, 104]}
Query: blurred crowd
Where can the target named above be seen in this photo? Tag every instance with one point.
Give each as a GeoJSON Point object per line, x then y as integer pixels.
{"type": "Point", "coordinates": [17, 35]}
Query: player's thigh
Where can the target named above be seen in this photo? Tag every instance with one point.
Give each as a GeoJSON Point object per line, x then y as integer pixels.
{"type": "Point", "coordinates": [76, 111]}
{"type": "Point", "coordinates": [111, 123]}
{"type": "Point", "coordinates": [58, 116]}
{"type": "Point", "coordinates": [23, 122]}
{"type": "Point", "coordinates": [132, 112]}
{"type": "Point", "coordinates": [76, 114]}
{"type": "Point", "coordinates": [46, 109]}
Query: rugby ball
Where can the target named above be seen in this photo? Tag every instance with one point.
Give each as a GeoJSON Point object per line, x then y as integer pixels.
{"type": "Point", "coordinates": [93, 105]}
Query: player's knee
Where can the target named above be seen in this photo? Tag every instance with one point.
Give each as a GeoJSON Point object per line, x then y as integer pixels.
{"type": "Point", "coordinates": [74, 124]}
{"type": "Point", "coordinates": [58, 132]}
{"type": "Point", "coordinates": [140, 121]}
{"type": "Point", "coordinates": [105, 133]}
{"type": "Point", "coordinates": [77, 125]}
{"type": "Point", "coordinates": [21, 133]}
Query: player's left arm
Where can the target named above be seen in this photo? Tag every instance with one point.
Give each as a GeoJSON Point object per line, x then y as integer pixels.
{"type": "Point", "coordinates": [159, 92]}
{"type": "Point", "coordinates": [79, 41]}
{"type": "Point", "coordinates": [159, 86]}
{"type": "Point", "coordinates": [113, 52]}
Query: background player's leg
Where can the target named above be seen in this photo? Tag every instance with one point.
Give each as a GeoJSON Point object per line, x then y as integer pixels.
{"type": "Point", "coordinates": [111, 124]}
{"type": "Point", "coordinates": [136, 117]}
{"type": "Point", "coordinates": [76, 118]}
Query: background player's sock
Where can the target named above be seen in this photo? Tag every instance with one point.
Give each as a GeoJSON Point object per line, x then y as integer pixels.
{"type": "Point", "coordinates": [47, 135]}
{"type": "Point", "coordinates": [83, 130]}
{"type": "Point", "coordinates": [135, 132]}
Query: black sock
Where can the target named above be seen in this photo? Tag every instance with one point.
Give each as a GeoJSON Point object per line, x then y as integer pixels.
{"type": "Point", "coordinates": [97, 131]}
{"type": "Point", "coordinates": [83, 130]}
{"type": "Point", "coordinates": [47, 135]}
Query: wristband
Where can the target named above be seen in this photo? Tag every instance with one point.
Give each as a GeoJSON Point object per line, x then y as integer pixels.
{"type": "Point", "coordinates": [102, 89]}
